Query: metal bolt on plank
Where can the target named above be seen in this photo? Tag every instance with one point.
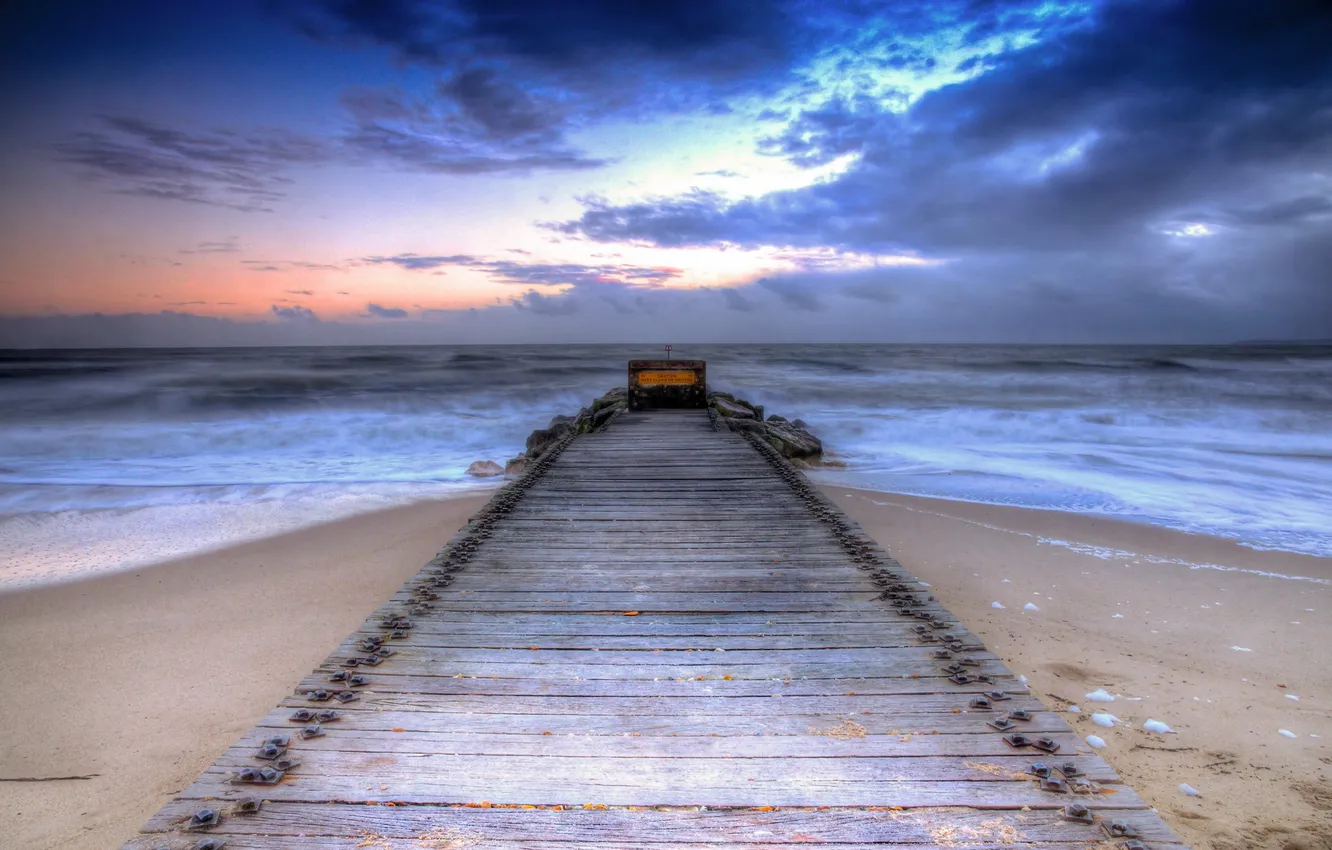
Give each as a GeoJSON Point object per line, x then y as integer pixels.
{"type": "Point", "coordinates": [204, 819]}
{"type": "Point", "coordinates": [247, 805]}
{"type": "Point", "coordinates": [1054, 785]}
{"type": "Point", "coordinates": [1119, 828]}
{"type": "Point", "coordinates": [1047, 744]}
{"type": "Point", "coordinates": [257, 776]}
{"type": "Point", "coordinates": [1077, 812]}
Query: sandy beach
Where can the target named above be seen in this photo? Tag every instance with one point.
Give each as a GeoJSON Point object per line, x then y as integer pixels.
{"type": "Point", "coordinates": [1216, 653]}
{"type": "Point", "coordinates": [143, 677]}
{"type": "Point", "coordinates": [140, 679]}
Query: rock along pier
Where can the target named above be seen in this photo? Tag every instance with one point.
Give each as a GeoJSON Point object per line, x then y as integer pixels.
{"type": "Point", "coordinates": [660, 636]}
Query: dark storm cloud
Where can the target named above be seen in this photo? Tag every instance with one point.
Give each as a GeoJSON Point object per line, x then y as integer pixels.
{"type": "Point", "coordinates": [1100, 142]}
{"type": "Point", "coordinates": [230, 245]}
{"type": "Point", "coordinates": [704, 47]}
{"type": "Point", "coordinates": [793, 294]}
{"type": "Point", "coordinates": [557, 274]}
{"type": "Point", "coordinates": [693, 219]}
{"type": "Point", "coordinates": [242, 171]}
{"type": "Point", "coordinates": [547, 305]}
{"type": "Point", "coordinates": [379, 312]}
{"type": "Point", "coordinates": [542, 274]}
{"type": "Point", "coordinates": [516, 77]}
{"type": "Point", "coordinates": [294, 313]}
{"type": "Point", "coordinates": [416, 262]}
{"type": "Point", "coordinates": [735, 301]}
{"type": "Point", "coordinates": [1300, 210]}
{"type": "Point", "coordinates": [476, 123]}
{"type": "Point", "coordinates": [291, 265]}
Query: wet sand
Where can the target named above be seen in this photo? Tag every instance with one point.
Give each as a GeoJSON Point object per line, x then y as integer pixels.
{"type": "Point", "coordinates": [1212, 653]}
{"type": "Point", "coordinates": [145, 677]}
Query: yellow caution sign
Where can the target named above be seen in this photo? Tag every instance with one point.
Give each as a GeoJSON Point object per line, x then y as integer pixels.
{"type": "Point", "coordinates": [665, 379]}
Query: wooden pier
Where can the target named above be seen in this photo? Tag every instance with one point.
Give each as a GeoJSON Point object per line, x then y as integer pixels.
{"type": "Point", "coordinates": [661, 636]}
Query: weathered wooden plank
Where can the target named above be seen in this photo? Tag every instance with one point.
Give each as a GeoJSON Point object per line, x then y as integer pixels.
{"type": "Point", "coordinates": [700, 720]}
{"type": "Point", "coordinates": [593, 579]}
{"type": "Point", "coordinates": [711, 699]}
{"type": "Point", "coordinates": [443, 837]}
{"type": "Point", "coordinates": [845, 602]}
{"type": "Point", "coordinates": [840, 827]}
{"type": "Point", "coordinates": [747, 625]}
{"type": "Point", "coordinates": [849, 672]}
{"type": "Point", "coordinates": [835, 740]}
{"type": "Point", "coordinates": [440, 634]}
{"type": "Point", "coordinates": [661, 771]}
{"type": "Point", "coordinates": [513, 780]}
{"type": "Point", "coordinates": [386, 683]}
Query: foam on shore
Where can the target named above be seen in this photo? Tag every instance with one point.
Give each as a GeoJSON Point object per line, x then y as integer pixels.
{"type": "Point", "coordinates": [47, 548]}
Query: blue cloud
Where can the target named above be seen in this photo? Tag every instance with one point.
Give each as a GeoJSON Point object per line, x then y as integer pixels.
{"type": "Point", "coordinates": [385, 312]}
{"type": "Point", "coordinates": [294, 313]}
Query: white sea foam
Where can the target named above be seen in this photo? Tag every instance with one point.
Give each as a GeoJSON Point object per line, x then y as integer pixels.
{"type": "Point", "coordinates": [1157, 726]}
{"type": "Point", "coordinates": [1099, 695]}
{"type": "Point", "coordinates": [1096, 741]}
{"type": "Point", "coordinates": [1235, 441]}
{"type": "Point", "coordinates": [1109, 554]}
{"type": "Point", "coordinates": [1103, 719]}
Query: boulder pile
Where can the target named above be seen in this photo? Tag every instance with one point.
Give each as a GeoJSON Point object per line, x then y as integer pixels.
{"type": "Point", "coordinates": [594, 417]}
{"type": "Point", "coordinates": [791, 438]}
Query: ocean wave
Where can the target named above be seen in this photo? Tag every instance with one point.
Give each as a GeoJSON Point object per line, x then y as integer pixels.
{"type": "Point", "coordinates": [1227, 440]}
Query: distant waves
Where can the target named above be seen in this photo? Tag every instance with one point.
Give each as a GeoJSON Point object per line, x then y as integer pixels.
{"type": "Point", "coordinates": [1226, 440]}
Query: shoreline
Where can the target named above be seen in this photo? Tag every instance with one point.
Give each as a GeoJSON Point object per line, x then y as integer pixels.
{"type": "Point", "coordinates": [1224, 655]}
{"type": "Point", "coordinates": [1220, 548]}
{"type": "Point", "coordinates": [53, 548]}
{"type": "Point", "coordinates": [145, 676]}
{"type": "Point", "coordinates": [1196, 550]}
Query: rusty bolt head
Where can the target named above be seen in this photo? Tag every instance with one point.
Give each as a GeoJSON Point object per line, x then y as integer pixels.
{"type": "Point", "coordinates": [204, 818]}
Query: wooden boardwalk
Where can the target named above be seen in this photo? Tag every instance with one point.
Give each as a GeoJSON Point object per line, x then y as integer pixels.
{"type": "Point", "coordinates": [662, 636]}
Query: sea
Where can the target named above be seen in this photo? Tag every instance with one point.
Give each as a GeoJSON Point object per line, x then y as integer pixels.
{"type": "Point", "coordinates": [112, 459]}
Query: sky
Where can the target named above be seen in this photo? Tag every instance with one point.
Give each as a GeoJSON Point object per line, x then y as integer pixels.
{"type": "Point", "coordinates": [267, 172]}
